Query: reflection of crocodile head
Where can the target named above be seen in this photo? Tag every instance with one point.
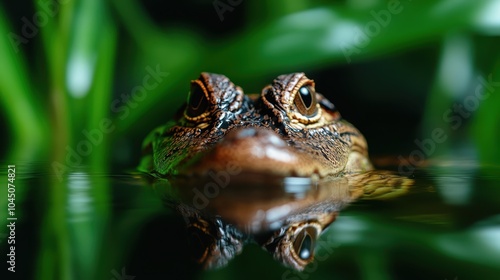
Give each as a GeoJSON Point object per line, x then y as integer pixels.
{"type": "Point", "coordinates": [289, 130]}
{"type": "Point", "coordinates": [212, 242]}
{"type": "Point", "coordinates": [286, 217]}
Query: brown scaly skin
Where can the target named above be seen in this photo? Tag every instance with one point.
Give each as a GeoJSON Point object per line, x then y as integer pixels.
{"type": "Point", "coordinates": [290, 130]}
{"type": "Point", "coordinates": [168, 147]}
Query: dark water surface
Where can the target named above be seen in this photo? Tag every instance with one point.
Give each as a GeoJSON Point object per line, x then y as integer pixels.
{"type": "Point", "coordinates": [89, 225]}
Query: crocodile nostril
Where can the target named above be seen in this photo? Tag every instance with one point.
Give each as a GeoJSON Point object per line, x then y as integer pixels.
{"type": "Point", "coordinates": [245, 133]}
{"type": "Point", "coordinates": [256, 136]}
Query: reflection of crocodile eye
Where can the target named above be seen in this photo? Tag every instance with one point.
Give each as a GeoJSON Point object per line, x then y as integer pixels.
{"type": "Point", "coordinates": [197, 101]}
{"type": "Point", "coordinates": [305, 101]}
{"type": "Point", "coordinates": [304, 243]}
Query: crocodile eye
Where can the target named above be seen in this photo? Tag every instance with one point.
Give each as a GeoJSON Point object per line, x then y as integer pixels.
{"type": "Point", "coordinates": [197, 100]}
{"type": "Point", "coordinates": [305, 94]}
{"type": "Point", "coordinates": [304, 242]}
{"type": "Point", "coordinates": [305, 101]}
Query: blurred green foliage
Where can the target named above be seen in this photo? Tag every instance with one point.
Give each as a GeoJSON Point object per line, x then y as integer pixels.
{"type": "Point", "coordinates": [68, 66]}
{"type": "Point", "coordinates": [76, 78]}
